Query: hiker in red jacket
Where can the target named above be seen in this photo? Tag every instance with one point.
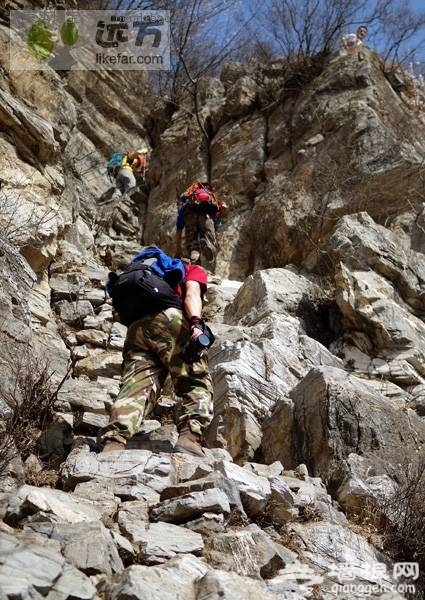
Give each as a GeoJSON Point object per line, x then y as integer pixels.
{"type": "Point", "coordinates": [199, 216]}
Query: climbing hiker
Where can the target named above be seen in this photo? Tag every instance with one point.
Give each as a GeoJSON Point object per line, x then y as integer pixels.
{"type": "Point", "coordinates": [128, 169]}
{"type": "Point", "coordinates": [199, 215]}
{"type": "Point", "coordinates": [353, 41]}
{"type": "Point", "coordinates": [159, 298]}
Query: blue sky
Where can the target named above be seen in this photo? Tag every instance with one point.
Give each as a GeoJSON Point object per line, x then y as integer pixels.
{"type": "Point", "coordinates": [419, 5]}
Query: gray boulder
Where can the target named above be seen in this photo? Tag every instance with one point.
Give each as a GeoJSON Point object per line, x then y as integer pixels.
{"type": "Point", "coordinates": [87, 546]}
{"type": "Point", "coordinates": [191, 506]}
{"type": "Point", "coordinates": [31, 569]}
{"type": "Point", "coordinates": [175, 579]}
{"type": "Point", "coordinates": [337, 416]}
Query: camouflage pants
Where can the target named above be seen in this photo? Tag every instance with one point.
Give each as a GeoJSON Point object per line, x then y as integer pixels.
{"type": "Point", "coordinates": [151, 351]}
{"type": "Point", "coordinates": [199, 230]}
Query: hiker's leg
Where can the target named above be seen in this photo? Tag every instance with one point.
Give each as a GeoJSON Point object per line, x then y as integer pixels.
{"type": "Point", "coordinates": [141, 384]}
{"type": "Point", "coordinates": [208, 238]}
{"type": "Point", "coordinates": [124, 182]}
{"type": "Point", "coordinates": [118, 192]}
{"type": "Point", "coordinates": [191, 232]}
{"type": "Point", "coordinates": [192, 383]}
{"type": "Point", "coordinates": [129, 181]}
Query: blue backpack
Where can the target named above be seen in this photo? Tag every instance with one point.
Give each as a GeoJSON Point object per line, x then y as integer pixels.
{"type": "Point", "coordinates": [171, 269]}
{"type": "Point", "coordinates": [114, 163]}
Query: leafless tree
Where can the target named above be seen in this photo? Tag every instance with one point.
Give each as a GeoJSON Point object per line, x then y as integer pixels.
{"type": "Point", "coordinates": [297, 28]}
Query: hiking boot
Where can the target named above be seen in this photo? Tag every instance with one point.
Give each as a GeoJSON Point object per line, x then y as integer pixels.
{"type": "Point", "coordinates": [194, 257]}
{"type": "Point", "coordinates": [189, 443]}
{"type": "Point", "coordinates": [111, 445]}
{"type": "Point", "coordinates": [208, 250]}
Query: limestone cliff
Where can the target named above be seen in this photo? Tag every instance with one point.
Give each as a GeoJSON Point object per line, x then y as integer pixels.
{"type": "Point", "coordinates": [317, 302]}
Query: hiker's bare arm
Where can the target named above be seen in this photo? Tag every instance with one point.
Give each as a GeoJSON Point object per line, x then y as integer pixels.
{"type": "Point", "coordinates": [193, 303]}
{"type": "Point", "coordinates": [193, 300]}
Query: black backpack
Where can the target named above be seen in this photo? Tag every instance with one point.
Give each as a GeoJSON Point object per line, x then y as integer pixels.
{"type": "Point", "coordinates": [138, 292]}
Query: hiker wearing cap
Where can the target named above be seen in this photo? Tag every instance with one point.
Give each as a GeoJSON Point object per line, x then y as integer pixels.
{"type": "Point", "coordinates": [199, 216]}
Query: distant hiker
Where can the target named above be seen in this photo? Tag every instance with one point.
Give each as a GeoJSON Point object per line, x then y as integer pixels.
{"type": "Point", "coordinates": [127, 169]}
{"type": "Point", "coordinates": [160, 300]}
{"type": "Point", "coordinates": [353, 41]}
{"type": "Point", "coordinates": [199, 216]}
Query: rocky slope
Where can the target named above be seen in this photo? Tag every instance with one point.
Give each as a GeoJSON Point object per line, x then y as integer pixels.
{"type": "Point", "coordinates": [317, 305]}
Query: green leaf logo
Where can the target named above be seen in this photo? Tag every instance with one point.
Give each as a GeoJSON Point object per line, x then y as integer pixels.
{"type": "Point", "coordinates": [69, 32]}
{"type": "Point", "coordinates": [39, 41]}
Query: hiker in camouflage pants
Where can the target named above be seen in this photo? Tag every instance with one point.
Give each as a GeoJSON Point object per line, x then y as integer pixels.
{"type": "Point", "coordinates": [151, 351]}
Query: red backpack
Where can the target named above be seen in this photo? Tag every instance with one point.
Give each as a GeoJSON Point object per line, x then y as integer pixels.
{"type": "Point", "coordinates": [202, 199]}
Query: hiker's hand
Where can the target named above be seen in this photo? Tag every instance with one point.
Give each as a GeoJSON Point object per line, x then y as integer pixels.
{"type": "Point", "coordinates": [197, 327]}
{"type": "Point", "coordinates": [195, 333]}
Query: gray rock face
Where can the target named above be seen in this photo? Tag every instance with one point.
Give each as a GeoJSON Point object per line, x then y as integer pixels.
{"type": "Point", "coordinates": [254, 490]}
{"type": "Point", "coordinates": [208, 524]}
{"type": "Point", "coordinates": [247, 552]}
{"type": "Point", "coordinates": [380, 294]}
{"type": "Point", "coordinates": [269, 292]}
{"type": "Point", "coordinates": [100, 363]}
{"type": "Point", "coordinates": [254, 366]}
{"type": "Point", "coordinates": [230, 154]}
{"type": "Point", "coordinates": [125, 487]}
{"type": "Point", "coordinates": [280, 505]}
{"type": "Point", "coordinates": [162, 541]}
{"type": "Point", "coordinates": [161, 439]}
{"type": "Point", "coordinates": [15, 285]}
{"type": "Point", "coordinates": [354, 494]}
{"type": "Point", "coordinates": [29, 130]}
{"type": "Point", "coordinates": [343, 415]}
{"type": "Point", "coordinates": [191, 506]}
{"type": "Point", "coordinates": [31, 569]}
{"type": "Point", "coordinates": [240, 97]}
{"type": "Point", "coordinates": [299, 205]}
{"type": "Point", "coordinates": [151, 470]}
{"type": "Point", "coordinates": [87, 546]}
{"type": "Point", "coordinates": [219, 584]}
{"type": "Point", "coordinates": [61, 506]}
{"type": "Point", "coordinates": [214, 480]}
{"type": "Point", "coordinates": [83, 394]}
{"type": "Point", "coordinates": [177, 577]}
{"type": "Point", "coordinates": [363, 244]}
{"type": "Point", "coordinates": [73, 313]}
{"type": "Point", "coordinates": [133, 519]}
{"type": "Point", "coordinates": [326, 546]}
{"type": "Point", "coordinates": [187, 467]}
